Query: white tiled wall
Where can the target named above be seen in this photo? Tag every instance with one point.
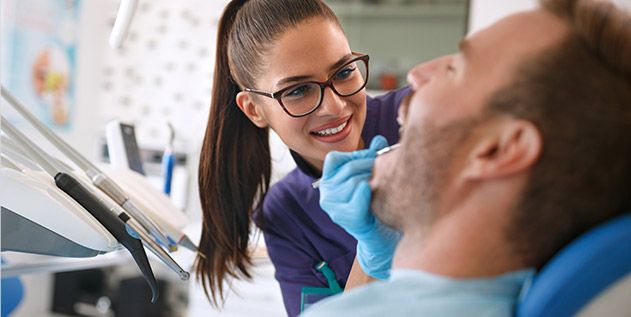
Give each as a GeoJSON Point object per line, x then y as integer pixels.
{"type": "Point", "coordinates": [163, 71]}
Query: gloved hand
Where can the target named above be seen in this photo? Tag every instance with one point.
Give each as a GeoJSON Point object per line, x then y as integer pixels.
{"type": "Point", "coordinates": [345, 196]}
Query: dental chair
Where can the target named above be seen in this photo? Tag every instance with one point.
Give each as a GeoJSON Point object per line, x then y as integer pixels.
{"type": "Point", "coordinates": [589, 277]}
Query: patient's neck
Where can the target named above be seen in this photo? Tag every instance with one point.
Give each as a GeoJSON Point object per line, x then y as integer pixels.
{"type": "Point", "coordinates": [458, 247]}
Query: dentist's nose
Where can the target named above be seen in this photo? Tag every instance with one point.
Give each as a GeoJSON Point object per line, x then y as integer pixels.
{"type": "Point", "coordinates": [332, 104]}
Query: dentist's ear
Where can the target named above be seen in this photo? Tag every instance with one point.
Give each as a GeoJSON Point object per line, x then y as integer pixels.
{"type": "Point", "coordinates": [511, 147]}
{"type": "Point", "coordinates": [251, 109]}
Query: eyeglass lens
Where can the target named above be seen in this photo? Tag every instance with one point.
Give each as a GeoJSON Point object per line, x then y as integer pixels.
{"type": "Point", "coordinates": [348, 80]}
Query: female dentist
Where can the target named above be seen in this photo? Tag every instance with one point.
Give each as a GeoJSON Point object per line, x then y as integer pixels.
{"type": "Point", "coordinates": [284, 65]}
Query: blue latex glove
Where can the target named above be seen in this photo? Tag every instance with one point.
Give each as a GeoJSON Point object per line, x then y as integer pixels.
{"type": "Point", "coordinates": [345, 196]}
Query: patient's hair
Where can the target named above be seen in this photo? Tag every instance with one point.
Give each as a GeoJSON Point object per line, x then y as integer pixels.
{"type": "Point", "coordinates": [578, 94]}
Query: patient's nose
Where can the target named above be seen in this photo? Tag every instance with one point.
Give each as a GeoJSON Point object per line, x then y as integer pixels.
{"type": "Point", "coordinates": [421, 74]}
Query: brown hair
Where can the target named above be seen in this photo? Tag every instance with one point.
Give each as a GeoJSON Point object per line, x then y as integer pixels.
{"type": "Point", "coordinates": [235, 163]}
{"type": "Point", "coordinates": [578, 94]}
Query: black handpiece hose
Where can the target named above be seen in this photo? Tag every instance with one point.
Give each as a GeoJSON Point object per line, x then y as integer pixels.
{"type": "Point", "coordinates": [112, 223]}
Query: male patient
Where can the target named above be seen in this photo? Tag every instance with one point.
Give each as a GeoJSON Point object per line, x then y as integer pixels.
{"type": "Point", "coordinates": [510, 150]}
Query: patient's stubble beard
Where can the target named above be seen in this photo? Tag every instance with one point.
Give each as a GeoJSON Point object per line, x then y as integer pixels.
{"type": "Point", "coordinates": [410, 192]}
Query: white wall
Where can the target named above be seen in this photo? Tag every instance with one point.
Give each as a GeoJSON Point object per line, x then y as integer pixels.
{"type": "Point", "coordinates": [485, 12]}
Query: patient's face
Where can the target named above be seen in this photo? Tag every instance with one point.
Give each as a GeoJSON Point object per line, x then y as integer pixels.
{"type": "Point", "coordinates": [420, 180]}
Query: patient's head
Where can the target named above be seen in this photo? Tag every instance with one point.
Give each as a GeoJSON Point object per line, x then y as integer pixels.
{"type": "Point", "coordinates": [527, 128]}
{"type": "Point", "coordinates": [579, 97]}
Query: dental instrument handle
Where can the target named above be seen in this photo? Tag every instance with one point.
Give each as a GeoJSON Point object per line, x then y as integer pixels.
{"type": "Point", "coordinates": [187, 243]}
{"type": "Point", "coordinates": [388, 149]}
{"type": "Point", "coordinates": [157, 250]}
{"type": "Point", "coordinates": [97, 177]}
{"type": "Point", "coordinates": [111, 189]}
{"type": "Point", "coordinates": [316, 183]}
{"type": "Point", "coordinates": [113, 224]}
{"type": "Point", "coordinates": [168, 162]}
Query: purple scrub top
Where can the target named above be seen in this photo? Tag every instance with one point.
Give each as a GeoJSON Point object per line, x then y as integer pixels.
{"type": "Point", "coordinates": [298, 233]}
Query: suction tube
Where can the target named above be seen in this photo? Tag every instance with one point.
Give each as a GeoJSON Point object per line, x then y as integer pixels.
{"type": "Point", "coordinates": [113, 224]}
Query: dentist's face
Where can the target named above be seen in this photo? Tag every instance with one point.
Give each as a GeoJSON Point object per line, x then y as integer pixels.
{"type": "Point", "coordinates": [313, 51]}
{"type": "Point", "coordinates": [421, 180]}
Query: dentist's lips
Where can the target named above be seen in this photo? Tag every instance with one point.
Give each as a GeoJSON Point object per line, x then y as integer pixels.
{"type": "Point", "coordinates": [333, 132]}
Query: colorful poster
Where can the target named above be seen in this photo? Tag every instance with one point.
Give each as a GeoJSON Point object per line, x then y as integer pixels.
{"type": "Point", "coordinates": [39, 40]}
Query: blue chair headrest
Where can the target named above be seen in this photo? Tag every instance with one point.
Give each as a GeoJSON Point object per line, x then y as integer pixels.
{"type": "Point", "coordinates": [12, 292]}
{"type": "Point", "coordinates": [580, 271]}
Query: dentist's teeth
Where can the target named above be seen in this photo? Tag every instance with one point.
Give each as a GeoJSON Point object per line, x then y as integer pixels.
{"type": "Point", "coordinates": [331, 131]}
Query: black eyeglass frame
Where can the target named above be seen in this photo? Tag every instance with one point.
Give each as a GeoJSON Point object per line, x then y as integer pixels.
{"type": "Point", "coordinates": [329, 83]}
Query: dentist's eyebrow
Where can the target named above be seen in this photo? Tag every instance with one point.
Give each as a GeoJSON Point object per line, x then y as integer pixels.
{"type": "Point", "coordinates": [340, 62]}
{"type": "Point", "coordinates": [292, 79]}
{"type": "Point", "coordinates": [301, 78]}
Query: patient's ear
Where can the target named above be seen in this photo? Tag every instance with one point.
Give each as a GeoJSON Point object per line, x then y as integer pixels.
{"type": "Point", "coordinates": [508, 148]}
{"type": "Point", "coordinates": [247, 103]}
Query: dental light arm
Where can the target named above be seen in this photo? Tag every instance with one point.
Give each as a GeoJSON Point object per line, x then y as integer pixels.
{"type": "Point", "coordinates": [123, 21]}
{"type": "Point", "coordinates": [98, 178]}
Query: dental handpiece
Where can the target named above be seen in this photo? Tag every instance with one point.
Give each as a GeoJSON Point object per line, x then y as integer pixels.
{"type": "Point", "coordinates": [316, 183]}
{"type": "Point", "coordinates": [115, 225]}
{"type": "Point", "coordinates": [53, 168]}
{"type": "Point", "coordinates": [98, 178]}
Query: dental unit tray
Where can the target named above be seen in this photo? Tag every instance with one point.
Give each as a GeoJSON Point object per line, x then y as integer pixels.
{"type": "Point", "coordinates": [97, 177]}
{"type": "Point", "coordinates": [102, 181]}
{"type": "Point", "coordinates": [52, 166]}
{"type": "Point", "coordinates": [135, 185]}
{"type": "Point", "coordinates": [102, 211]}
{"type": "Point", "coordinates": [37, 217]}
{"type": "Point", "coordinates": [107, 185]}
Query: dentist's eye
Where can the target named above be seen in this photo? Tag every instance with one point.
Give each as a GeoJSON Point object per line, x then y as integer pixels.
{"type": "Point", "coordinates": [344, 73]}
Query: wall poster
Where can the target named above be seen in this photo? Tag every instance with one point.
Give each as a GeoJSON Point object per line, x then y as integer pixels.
{"type": "Point", "coordinates": [39, 39]}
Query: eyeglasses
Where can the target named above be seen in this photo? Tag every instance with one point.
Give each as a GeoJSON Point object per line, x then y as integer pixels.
{"type": "Point", "coordinates": [304, 98]}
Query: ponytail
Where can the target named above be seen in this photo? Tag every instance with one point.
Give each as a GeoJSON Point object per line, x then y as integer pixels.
{"type": "Point", "coordinates": [234, 167]}
{"type": "Point", "coordinates": [235, 162]}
